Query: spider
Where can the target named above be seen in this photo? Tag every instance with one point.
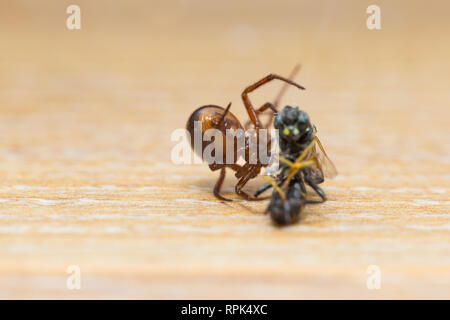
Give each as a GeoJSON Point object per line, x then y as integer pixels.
{"type": "Point", "coordinates": [219, 118]}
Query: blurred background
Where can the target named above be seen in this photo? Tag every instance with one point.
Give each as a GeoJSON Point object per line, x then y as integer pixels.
{"type": "Point", "coordinates": [85, 123]}
{"type": "Point", "coordinates": [163, 59]}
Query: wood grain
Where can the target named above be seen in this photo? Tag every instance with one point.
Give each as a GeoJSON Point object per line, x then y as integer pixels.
{"type": "Point", "coordinates": [86, 178]}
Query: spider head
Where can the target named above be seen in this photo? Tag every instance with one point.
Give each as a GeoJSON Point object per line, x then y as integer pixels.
{"type": "Point", "coordinates": [293, 124]}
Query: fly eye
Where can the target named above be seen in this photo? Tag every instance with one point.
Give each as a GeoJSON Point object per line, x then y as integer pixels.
{"type": "Point", "coordinates": [286, 131]}
{"type": "Point", "coordinates": [295, 131]}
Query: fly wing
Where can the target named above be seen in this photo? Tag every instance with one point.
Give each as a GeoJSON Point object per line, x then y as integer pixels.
{"type": "Point", "coordinates": [326, 165]}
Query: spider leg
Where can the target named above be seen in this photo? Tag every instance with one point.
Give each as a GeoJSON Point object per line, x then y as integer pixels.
{"type": "Point", "coordinates": [243, 181]}
{"type": "Point", "coordinates": [248, 105]}
{"type": "Point", "coordinates": [261, 109]}
{"type": "Point", "coordinates": [273, 106]}
{"type": "Point", "coordinates": [266, 106]}
{"type": "Point", "coordinates": [219, 185]}
{"type": "Point", "coordinates": [238, 189]}
{"type": "Point", "coordinates": [219, 182]}
{"type": "Point", "coordinates": [282, 92]}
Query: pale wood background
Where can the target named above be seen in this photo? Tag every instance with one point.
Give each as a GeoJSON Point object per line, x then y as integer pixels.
{"type": "Point", "coordinates": [86, 177]}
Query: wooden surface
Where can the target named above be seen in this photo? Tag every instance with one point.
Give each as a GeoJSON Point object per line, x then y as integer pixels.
{"type": "Point", "coordinates": [85, 171]}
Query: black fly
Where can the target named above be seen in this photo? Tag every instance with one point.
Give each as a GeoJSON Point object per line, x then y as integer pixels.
{"type": "Point", "coordinates": [303, 162]}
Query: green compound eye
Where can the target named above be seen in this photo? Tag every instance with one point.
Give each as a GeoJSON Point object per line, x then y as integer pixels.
{"type": "Point", "coordinates": [295, 131]}
{"type": "Point", "coordinates": [286, 131]}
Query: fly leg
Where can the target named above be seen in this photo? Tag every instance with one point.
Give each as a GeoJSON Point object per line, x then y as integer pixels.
{"type": "Point", "coordinates": [269, 185]}
{"type": "Point", "coordinates": [266, 187]}
{"type": "Point", "coordinates": [317, 189]}
{"type": "Point", "coordinates": [262, 189]}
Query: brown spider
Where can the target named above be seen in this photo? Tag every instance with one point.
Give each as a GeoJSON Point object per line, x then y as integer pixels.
{"type": "Point", "coordinates": [216, 117]}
